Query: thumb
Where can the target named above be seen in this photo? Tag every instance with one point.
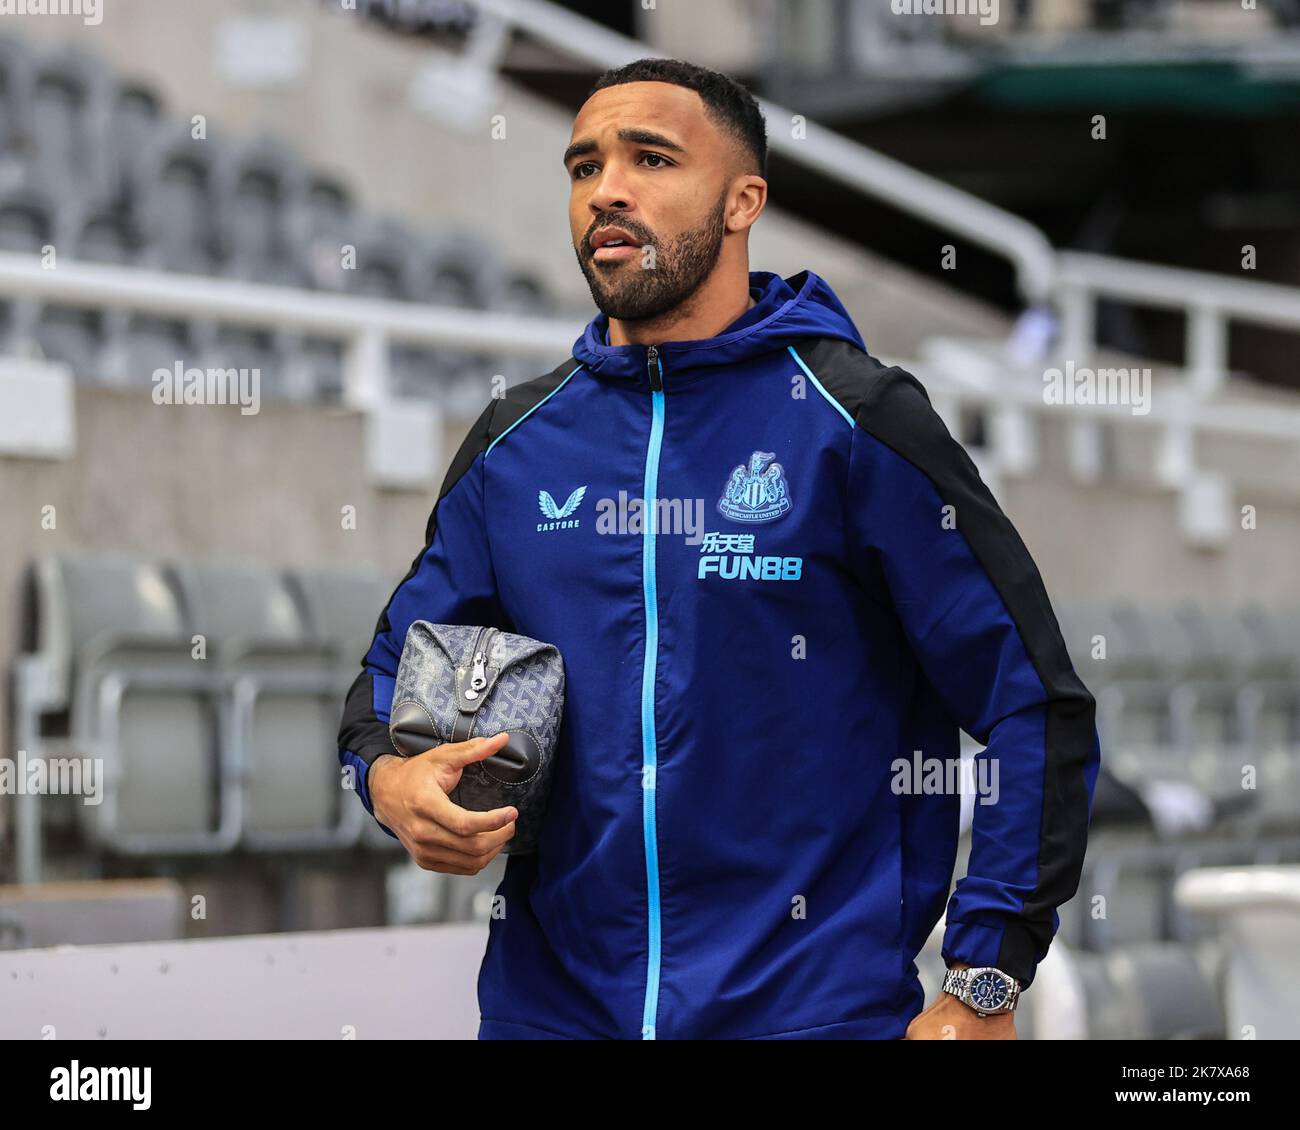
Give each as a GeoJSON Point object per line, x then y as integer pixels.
{"type": "Point", "coordinates": [476, 749]}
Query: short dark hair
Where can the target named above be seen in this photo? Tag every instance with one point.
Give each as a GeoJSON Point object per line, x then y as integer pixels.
{"type": "Point", "coordinates": [730, 105]}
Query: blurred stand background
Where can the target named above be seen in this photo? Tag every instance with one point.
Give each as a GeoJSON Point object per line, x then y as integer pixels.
{"type": "Point", "coordinates": [364, 203]}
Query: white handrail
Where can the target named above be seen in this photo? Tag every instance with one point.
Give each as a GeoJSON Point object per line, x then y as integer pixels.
{"type": "Point", "coordinates": [864, 169]}
{"type": "Point", "coordinates": [1212, 302]}
{"type": "Point", "coordinates": [365, 325]}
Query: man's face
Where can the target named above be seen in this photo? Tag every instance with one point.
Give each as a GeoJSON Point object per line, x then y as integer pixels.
{"type": "Point", "coordinates": [646, 166]}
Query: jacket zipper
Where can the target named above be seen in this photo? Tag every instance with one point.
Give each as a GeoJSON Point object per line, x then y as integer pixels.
{"type": "Point", "coordinates": [649, 752]}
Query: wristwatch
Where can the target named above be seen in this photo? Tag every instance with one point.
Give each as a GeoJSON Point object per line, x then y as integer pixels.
{"type": "Point", "coordinates": [985, 989]}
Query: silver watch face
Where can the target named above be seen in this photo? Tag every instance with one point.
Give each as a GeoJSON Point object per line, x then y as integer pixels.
{"type": "Point", "coordinates": [988, 991]}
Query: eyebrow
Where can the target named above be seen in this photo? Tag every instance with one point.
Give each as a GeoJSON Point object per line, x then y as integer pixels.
{"type": "Point", "coordinates": [635, 136]}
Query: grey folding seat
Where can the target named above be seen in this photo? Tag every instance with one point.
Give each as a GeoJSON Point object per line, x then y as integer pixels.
{"type": "Point", "coordinates": [74, 337]}
{"type": "Point", "coordinates": [526, 296]}
{"type": "Point", "coordinates": [136, 123]}
{"type": "Point", "coordinates": [1203, 705]}
{"type": "Point", "coordinates": [1110, 1013]}
{"type": "Point", "coordinates": [69, 102]}
{"type": "Point", "coordinates": [145, 343]}
{"type": "Point", "coordinates": [15, 109]}
{"type": "Point", "coordinates": [387, 267]}
{"type": "Point", "coordinates": [323, 363]}
{"type": "Point", "coordinates": [343, 606]}
{"type": "Point", "coordinates": [282, 697]}
{"type": "Point", "coordinates": [107, 235]}
{"type": "Point", "coordinates": [1132, 875]}
{"type": "Point", "coordinates": [256, 182]}
{"type": "Point", "coordinates": [321, 221]}
{"type": "Point", "coordinates": [239, 347]}
{"type": "Point", "coordinates": [111, 640]}
{"type": "Point", "coordinates": [1148, 656]}
{"type": "Point", "coordinates": [457, 269]}
{"type": "Point", "coordinates": [1096, 649]}
{"type": "Point", "coordinates": [1080, 623]}
{"type": "Point", "coordinates": [464, 272]}
{"type": "Point", "coordinates": [1169, 995]}
{"type": "Point", "coordinates": [1277, 801]}
{"type": "Point", "coordinates": [175, 203]}
{"type": "Point", "coordinates": [387, 260]}
{"type": "Point", "coordinates": [28, 221]}
{"type": "Point", "coordinates": [1269, 701]}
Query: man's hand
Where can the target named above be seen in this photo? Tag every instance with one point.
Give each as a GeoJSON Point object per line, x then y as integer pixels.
{"type": "Point", "coordinates": [951, 1019]}
{"type": "Point", "coordinates": [410, 795]}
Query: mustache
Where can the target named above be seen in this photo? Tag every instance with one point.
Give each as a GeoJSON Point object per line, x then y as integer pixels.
{"type": "Point", "coordinates": [634, 229]}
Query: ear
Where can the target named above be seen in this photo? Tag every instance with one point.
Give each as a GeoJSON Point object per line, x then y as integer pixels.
{"type": "Point", "coordinates": [745, 201]}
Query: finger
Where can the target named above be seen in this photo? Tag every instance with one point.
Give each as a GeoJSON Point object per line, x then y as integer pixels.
{"type": "Point", "coordinates": [470, 862]}
{"type": "Point", "coordinates": [465, 821]}
{"type": "Point", "coordinates": [430, 834]}
{"type": "Point", "coordinates": [466, 753]}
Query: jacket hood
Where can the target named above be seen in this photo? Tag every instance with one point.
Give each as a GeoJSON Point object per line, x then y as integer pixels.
{"type": "Point", "coordinates": [801, 306]}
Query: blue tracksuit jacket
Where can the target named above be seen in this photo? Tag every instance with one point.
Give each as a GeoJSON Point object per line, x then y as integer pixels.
{"type": "Point", "coordinates": [728, 850]}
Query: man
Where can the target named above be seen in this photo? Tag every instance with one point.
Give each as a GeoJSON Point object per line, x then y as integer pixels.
{"type": "Point", "coordinates": [729, 848]}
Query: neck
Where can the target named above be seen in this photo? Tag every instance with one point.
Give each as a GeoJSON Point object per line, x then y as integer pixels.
{"type": "Point", "coordinates": [719, 301]}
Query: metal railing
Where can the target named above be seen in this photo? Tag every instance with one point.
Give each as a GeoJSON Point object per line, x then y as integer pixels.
{"type": "Point", "coordinates": [366, 326]}
{"type": "Point", "coordinates": [1210, 303]}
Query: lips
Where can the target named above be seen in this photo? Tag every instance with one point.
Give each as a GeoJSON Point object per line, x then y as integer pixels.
{"type": "Point", "coordinates": [612, 243]}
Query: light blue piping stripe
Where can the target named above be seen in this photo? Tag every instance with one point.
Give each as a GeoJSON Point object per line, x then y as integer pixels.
{"type": "Point", "coordinates": [529, 412]}
{"type": "Point", "coordinates": [813, 377]}
{"type": "Point", "coordinates": [649, 757]}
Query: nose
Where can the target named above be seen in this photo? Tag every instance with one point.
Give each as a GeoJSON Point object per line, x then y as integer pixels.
{"type": "Point", "coordinates": [611, 193]}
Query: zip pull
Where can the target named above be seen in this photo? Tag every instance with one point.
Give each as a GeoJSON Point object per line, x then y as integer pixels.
{"type": "Point", "coordinates": [478, 676]}
{"type": "Point", "coordinates": [654, 368]}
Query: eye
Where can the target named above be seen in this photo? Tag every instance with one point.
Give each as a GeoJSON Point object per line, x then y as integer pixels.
{"type": "Point", "coordinates": [577, 169]}
{"type": "Point", "coordinates": [663, 161]}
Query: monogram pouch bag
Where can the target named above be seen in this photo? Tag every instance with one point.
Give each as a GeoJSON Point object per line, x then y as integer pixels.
{"type": "Point", "coordinates": [455, 683]}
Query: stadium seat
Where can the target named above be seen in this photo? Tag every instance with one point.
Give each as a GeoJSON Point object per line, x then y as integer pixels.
{"type": "Point", "coordinates": [1203, 706]}
{"type": "Point", "coordinates": [112, 633]}
{"type": "Point", "coordinates": [280, 687]}
{"type": "Point", "coordinates": [74, 337]}
{"type": "Point", "coordinates": [135, 123]}
{"type": "Point", "coordinates": [1269, 702]}
{"type": "Point", "coordinates": [29, 220]}
{"type": "Point", "coordinates": [69, 111]}
{"type": "Point", "coordinates": [105, 234]}
{"type": "Point", "coordinates": [141, 344]}
{"type": "Point", "coordinates": [320, 221]}
{"type": "Point", "coordinates": [15, 117]}
{"type": "Point", "coordinates": [255, 182]}
{"type": "Point", "coordinates": [175, 203]}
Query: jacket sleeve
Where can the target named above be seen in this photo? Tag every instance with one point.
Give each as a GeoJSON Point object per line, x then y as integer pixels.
{"type": "Point", "coordinates": [928, 537]}
{"type": "Point", "coordinates": [451, 581]}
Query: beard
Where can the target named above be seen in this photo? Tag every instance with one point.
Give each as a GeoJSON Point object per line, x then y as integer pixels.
{"type": "Point", "coordinates": [630, 292]}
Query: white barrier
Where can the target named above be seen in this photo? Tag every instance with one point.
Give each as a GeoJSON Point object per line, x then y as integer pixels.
{"type": "Point", "coordinates": [1258, 909]}
{"type": "Point", "coordinates": [399, 983]}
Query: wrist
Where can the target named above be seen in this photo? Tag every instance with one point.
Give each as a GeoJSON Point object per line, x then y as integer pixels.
{"type": "Point", "coordinates": [376, 776]}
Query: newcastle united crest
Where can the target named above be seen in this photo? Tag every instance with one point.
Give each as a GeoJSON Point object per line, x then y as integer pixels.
{"type": "Point", "coordinates": [755, 493]}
